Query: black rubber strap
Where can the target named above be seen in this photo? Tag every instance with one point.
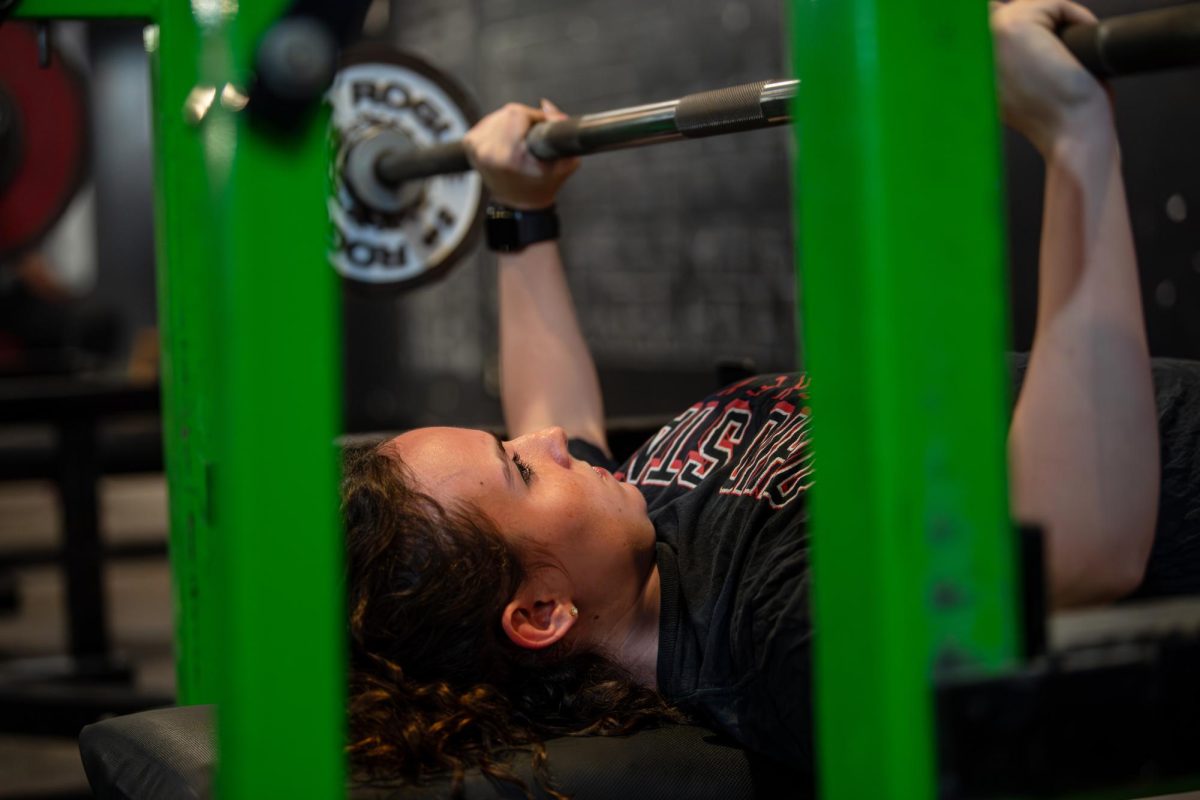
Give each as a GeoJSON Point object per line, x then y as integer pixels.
{"type": "Point", "coordinates": [511, 230]}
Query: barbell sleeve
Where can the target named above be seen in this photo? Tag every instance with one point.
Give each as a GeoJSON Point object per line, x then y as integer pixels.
{"type": "Point", "coordinates": [1133, 43]}
{"type": "Point", "coordinates": [394, 167]}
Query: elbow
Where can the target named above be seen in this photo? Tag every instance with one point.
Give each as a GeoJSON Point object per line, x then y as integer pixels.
{"type": "Point", "coordinates": [1132, 540]}
{"type": "Point", "coordinates": [1121, 578]}
{"type": "Point", "coordinates": [1109, 566]}
{"type": "Point", "coordinates": [1085, 585]}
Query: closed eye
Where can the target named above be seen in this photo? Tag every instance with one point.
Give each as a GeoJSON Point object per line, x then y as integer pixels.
{"type": "Point", "coordinates": [524, 469]}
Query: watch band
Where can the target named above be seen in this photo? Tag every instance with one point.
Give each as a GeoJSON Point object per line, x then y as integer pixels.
{"type": "Point", "coordinates": [511, 230]}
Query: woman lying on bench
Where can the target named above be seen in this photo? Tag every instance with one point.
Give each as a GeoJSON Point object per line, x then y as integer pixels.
{"type": "Point", "coordinates": [506, 591]}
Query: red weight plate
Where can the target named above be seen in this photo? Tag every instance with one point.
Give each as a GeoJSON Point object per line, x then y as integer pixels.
{"type": "Point", "coordinates": [51, 111]}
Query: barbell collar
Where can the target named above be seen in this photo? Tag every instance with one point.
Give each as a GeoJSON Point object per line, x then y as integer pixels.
{"type": "Point", "coordinates": [360, 172]}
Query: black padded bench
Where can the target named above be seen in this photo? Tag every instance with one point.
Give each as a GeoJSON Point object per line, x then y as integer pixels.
{"type": "Point", "coordinates": [170, 753]}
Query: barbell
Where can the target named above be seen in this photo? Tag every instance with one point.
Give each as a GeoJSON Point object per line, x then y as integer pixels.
{"type": "Point", "coordinates": [405, 205]}
{"type": "Point", "coordinates": [407, 201]}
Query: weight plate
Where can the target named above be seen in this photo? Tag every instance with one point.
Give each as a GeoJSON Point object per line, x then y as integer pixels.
{"type": "Point", "coordinates": [411, 235]}
{"type": "Point", "coordinates": [43, 140]}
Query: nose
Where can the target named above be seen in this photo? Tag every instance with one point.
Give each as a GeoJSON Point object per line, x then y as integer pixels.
{"type": "Point", "coordinates": [552, 443]}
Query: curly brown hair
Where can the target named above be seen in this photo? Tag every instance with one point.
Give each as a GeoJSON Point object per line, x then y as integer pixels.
{"type": "Point", "coordinates": [435, 684]}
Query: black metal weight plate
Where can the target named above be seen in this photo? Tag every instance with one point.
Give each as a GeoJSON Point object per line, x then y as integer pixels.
{"type": "Point", "coordinates": [400, 237]}
{"type": "Point", "coordinates": [43, 140]}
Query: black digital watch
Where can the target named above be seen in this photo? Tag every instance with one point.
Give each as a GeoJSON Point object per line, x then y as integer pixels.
{"type": "Point", "coordinates": [511, 230]}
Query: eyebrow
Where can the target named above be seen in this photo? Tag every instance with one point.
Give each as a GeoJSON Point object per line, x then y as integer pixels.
{"type": "Point", "coordinates": [503, 456]}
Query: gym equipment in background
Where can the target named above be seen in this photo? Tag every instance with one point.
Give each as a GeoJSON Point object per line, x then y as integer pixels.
{"type": "Point", "coordinates": [43, 138]}
{"type": "Point", "coordinates": [401, 222]}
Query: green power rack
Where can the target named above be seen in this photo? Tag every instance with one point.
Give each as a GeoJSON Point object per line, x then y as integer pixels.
{"type": "Point", "coordinates": [248, 314]}
{"type": "Point", "coordinates": [900, 256]}
{"type": "Point", "coordinates": [898, 194]}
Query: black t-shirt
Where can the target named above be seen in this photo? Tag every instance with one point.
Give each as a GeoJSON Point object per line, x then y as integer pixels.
{"type": "Point", "coordinates": [725, 486]}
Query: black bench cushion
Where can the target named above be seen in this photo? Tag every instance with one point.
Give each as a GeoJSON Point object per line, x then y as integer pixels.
{"type": "Point", "coordinates": [169, 753]}
{"type": "Point", "coordinates": [166, 753]}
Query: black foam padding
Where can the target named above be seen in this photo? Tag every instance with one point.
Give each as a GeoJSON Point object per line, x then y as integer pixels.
{"type": "Point", "coordinates": [170, 753]}
{"type": "Point", "coordinates": [165, 754]}
{"type": "Point", "coordinates": [1174, 565]}
{"type": "Point", "coordinates": [736, 108]}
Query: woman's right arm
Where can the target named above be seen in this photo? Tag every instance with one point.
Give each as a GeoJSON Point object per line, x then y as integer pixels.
{"type": "Point", "coordinates": [1083, 447]}
{"type": "Point", "coordinates": [547, 375]}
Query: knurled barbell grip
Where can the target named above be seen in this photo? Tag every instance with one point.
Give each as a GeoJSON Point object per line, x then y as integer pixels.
{"type": "Point", "coordinates": [729, 110]}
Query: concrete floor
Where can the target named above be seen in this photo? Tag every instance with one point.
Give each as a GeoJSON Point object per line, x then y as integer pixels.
{"type": "Point", "coordinates": [139, 596]}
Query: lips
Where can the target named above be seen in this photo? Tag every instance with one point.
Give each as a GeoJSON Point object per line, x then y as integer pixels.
{"type": "Point", "coordinates": [602, 472]}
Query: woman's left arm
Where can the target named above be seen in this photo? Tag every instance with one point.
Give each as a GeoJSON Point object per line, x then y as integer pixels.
{"type": "Point", "coordinates": [1083, 447]}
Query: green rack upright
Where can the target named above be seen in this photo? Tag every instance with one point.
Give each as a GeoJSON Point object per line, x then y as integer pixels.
{"type": "Point", "coordinates": [249, 320]}
{"type": "Point", "coordinates": [900, 254]}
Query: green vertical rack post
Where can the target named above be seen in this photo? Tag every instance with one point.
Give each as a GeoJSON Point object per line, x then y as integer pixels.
{"type": "Point", "coordinates": [900, 261]}
{"type": "Point", "coordinates": [185, 259]}
{"type": "Point", "coordinates": [248, 315]}
{"type": "Point", "coordinates": [274, 478]}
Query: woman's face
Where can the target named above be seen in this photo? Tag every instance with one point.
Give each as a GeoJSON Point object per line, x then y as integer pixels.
{"type": "Point", "coordinates": [595, 526]}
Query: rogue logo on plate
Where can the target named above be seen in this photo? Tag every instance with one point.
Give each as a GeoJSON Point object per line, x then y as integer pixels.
{"type": "Point", "coordinates": [397, 237]}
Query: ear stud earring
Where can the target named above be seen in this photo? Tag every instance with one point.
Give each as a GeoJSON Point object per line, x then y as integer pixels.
{"type": "Point", "coordinates": [574, 611]}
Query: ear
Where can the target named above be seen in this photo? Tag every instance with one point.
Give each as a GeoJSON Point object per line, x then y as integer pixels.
{"type": "Point", "coordinates": [538, 616]}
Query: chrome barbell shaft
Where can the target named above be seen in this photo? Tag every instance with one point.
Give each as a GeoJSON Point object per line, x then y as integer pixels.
{"type": "Point", "coordinates": [730, 110]}
{"type": "Point", "coordinates": [1126, 44]}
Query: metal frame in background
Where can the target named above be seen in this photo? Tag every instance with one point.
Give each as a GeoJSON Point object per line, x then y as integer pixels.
{"type": "Point", "coordinates": [251, 399]}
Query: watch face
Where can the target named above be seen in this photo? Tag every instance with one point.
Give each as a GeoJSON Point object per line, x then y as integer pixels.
{"type": "Point", "coordinates": [509, 230]}
{"type": "Point", "coordinates": [502, 233]}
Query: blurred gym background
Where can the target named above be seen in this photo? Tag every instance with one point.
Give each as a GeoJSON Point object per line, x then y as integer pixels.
{"type": "Point", "coordinates": [680, 259]}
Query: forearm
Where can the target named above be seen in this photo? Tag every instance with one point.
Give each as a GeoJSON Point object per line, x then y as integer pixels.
{"type": "Point", "coordinates": [1083, 445]}
{"type": "Point", "coordinates": [547, 375]}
